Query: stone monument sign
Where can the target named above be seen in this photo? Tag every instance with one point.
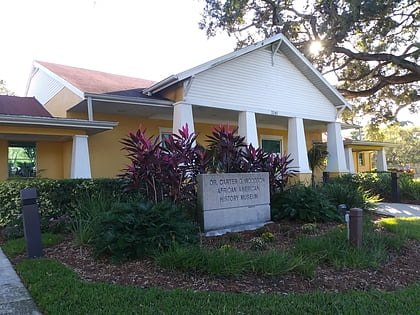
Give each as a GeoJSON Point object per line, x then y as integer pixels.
{"type": "Point", "coordinates": [230, 200]}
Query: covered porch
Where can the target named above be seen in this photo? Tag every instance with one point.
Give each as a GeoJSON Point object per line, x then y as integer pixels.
{"type": "Point", "coordinates": [359, 155]}
{"type": "Point", "coordinates": [59, 147]}
{"type": "Point", "coordinates": [295, 135]}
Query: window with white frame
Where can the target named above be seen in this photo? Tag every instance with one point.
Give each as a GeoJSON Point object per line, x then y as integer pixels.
{"type": "Point", "coordinates": [272, 144]}
{"type": "Point", "coordinates": [361, 159]}
{"type": "Point", "coordinates": [21, 159]}
{"type": "Point", "coordinates": [163, 134]}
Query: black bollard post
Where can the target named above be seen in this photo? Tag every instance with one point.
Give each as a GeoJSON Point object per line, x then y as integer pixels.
{"type": "Point", "coordinates": [325, 177]}
{"type": "Point", "coordinates": [395, 188]}
{"type": "Point", "coordinates": [31, 225]}
{"type": "Point", "coordinates": [356, 227]}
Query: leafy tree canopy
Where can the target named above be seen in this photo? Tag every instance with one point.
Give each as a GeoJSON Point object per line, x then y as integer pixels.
{"type": "Point", "coordinates": [3, 89]}
{"type": "Point", "coordinates": [372, 46]}
{"type": "Point", "coordinates": [407, 153]}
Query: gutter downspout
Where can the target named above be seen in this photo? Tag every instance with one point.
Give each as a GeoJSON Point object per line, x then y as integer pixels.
{"type": "Point", "coordinates": [89, 108]}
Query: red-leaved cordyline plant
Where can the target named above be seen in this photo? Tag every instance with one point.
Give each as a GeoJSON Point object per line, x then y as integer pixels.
{"type": "Point", "coordinates": [169, 171]}
{"type": "Point", "coordinates": [280, 171]}
{"type": "Point", "coordinates": [257, 160]}
{"type": "Point", "coordinates": [225, 150]}
{"type": "Point", "coordinates": [254, 159]}
{"type": "Point", "coordinates": [164, 171]}
{"type": "Point", "coordinates": [144, 174]}
{"type": "Point", "coordinates": [186, 160]}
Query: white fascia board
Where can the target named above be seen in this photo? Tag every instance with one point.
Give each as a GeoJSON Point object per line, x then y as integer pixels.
{"type": "Point", "coordinates": [128, 100]}
{"type": "Point", "coordinates": [160, 85]}
{"type": "Point", "coordinates": [225, 58]}
{"type": "Point", "coordinates": [370, 143]}
{"type": "Point", "coordinates": [67, 84]}
{"type": "Point", "coordinates": [20, 120]}
{"type": "Point", "coordinates": [32, 73]}
{"type": "Point", "coordinates": [303, 62]}
{"type": "Point", "coordinates": [210, 64]}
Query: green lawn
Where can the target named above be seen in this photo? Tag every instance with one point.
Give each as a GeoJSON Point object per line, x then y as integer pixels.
{"type": "Point", "coordinates": [409, 227]}
{"type": "Point", "coordinates": [57, 290]}
{"type": "Point", "coordinates": [12, 248]}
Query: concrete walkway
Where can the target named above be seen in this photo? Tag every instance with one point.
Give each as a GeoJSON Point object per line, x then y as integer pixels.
{"type": "Point", "coordinates": [398, 209]}
{"type": "Point", "coordinates": [14, 298]}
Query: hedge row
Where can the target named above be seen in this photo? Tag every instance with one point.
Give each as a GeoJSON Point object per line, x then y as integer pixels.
{"type": "Point", "coordinates": [55, 197]}
{"type": "Point", "coordinates": [379, 183]}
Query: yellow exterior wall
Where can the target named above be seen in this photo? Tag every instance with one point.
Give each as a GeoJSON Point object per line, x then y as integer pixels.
{"type": "Point", "coordinates": [50, 159]}
{"type": "Point", "coordinates": [80, 115]}
{"type": "Point", "coordinates": [203, 130]}
{"type": "Point", "coordinates": [53, 157]}
{"type": "Point", "coordinates": [174, 94]}
{"type": "Point", "coordinates": [39, 131]}
{"type": "Point", "coordinates": [61, 102]}
{"type": "Point", "coordinates": [4, 168]}
{"type": "Point", "coordinates": [368, 162]}
{"type": "Point", "coordinates": [107, 159]}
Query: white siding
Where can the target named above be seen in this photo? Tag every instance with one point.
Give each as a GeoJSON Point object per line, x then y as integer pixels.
{"type": "Point", "coordinates": [251, 82]}
{"type": "Point", "coordinates": [43, 87]}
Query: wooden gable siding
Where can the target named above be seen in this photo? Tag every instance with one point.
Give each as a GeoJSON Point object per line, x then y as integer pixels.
{"type": "Point", "coordinates": [251, 82]}
{"type": "Point", "coordinates": [43, 87]}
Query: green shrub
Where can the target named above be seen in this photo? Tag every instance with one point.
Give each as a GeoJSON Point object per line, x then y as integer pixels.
{"type": "Point", "coordinates": [11, 232]}
{"type": "Point", "coordinates": [57, 199]}
{"type": "Point", "coordinates": [379, 184]}
{"type": "Point", "coordinates": [135, 229]}
{"type": "Point", "coordinates": [228, 261]}
{"type": "Point", "coordinates": [334, 248]}
{"type": "Point", "coordinates": [303, 203]}
{"type": "Point", "coordinates": [86, 213]}
{"type": "Point", "coordinates": [410, 189]}
{"type": "Point", "coordinates": [353, 197]}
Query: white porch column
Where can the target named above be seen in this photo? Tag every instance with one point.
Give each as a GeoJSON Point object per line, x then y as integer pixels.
{"type": "Point", "coordinates": [336, 162]}
{"type": "Point", "coordinates": [381, 161]}
{"type": "Point", "coordinates": [296, 145]}
{"type": "Point", "coordinates": [248, 128]}
{"type": "Point", "coordinates": [348, 152]}
{"type": "Point", "coordinates": [182, 115]}
{"type": "Point", "coordinates": [80, 161]}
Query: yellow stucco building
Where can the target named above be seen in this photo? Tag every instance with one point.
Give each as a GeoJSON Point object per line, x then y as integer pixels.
{"type": "Point", "coordinates": [74, 118]}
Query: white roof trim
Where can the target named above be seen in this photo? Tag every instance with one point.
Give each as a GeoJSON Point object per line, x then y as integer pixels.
{"type": "Point", "coordinates": [67, 84]}
{"type": "Point", "coordinates": [128, 100]}
{"type": "Point", "coordinates": [285, 46]}
{"type": "Point", "coordinates": [370, 143]}
{"type": "Point", "coordinates": [93, 126]}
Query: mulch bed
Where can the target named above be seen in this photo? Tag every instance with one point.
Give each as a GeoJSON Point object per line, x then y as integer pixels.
{"type": "Point", "coordinates": [400, 270]}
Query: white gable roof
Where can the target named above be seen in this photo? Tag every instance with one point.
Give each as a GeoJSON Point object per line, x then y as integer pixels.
{"type": "Point", "coordinates": [279, 43]}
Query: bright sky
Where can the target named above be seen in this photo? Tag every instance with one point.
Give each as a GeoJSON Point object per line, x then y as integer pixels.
{"type": "Point", "coordinates": [149, 39]}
